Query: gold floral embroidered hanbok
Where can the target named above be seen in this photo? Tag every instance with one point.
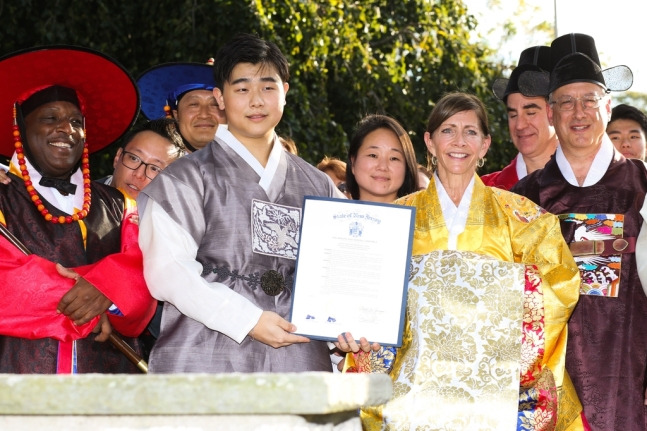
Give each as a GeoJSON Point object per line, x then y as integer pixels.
{"type": "Point", "coordinates": [491, 289]}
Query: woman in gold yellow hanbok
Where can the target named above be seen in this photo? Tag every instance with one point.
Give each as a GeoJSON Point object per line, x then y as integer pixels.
{"type": "Point", "coordinates": [491, 289]}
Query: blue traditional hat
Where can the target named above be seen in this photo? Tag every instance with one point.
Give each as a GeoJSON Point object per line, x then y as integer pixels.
{"type": "Point", "coordinates": [574, 58]}
{"type": "Point", "coordinates": [536, 58]}
{"type": "Point", "coordinates": [163, 85]}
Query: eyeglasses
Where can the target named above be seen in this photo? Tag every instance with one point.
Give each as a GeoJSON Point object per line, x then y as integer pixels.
{"type": "Point", "coordinates": [567, 103]}
{"type": "Point", "coordinates": [132, 161]}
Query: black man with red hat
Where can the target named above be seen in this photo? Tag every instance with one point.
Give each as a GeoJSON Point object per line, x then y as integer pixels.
{"type": "Point", "coordinates": [84, 270]}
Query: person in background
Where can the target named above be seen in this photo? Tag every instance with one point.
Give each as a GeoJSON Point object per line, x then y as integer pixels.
{"type": "Point", "coordinates": [146, 151]}
{"type": "Point", "coordinates": [289, 145]}
{"type": "Point", "coordinates": [597, 194]}
{"type": "Point", "coordinates": [336, 170]}
{"type": "Point", "coordinates": [424, 177]}
{"type": "Point", "coordinates": [628, 130]}
{"type": "Point", "coordinates": [225, 308]}
{"type": "Point", "coordinates": [531, 133]}
{"type": "Point", "coordinates": [183, 91]}
{"type": "Point", "coordinates": [381, 163]}
{"type": "Point", "coordinates": [80, 258]}
{"type": "Point", "coordinates": [476, 249]}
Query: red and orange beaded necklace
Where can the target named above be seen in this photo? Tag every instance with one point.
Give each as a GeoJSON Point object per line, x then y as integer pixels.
{"type": "Point", "coordinates": [35, 198]}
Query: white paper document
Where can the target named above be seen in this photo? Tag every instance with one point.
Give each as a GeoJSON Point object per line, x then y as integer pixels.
{"type": "Point", "coordinates": [352, 269]}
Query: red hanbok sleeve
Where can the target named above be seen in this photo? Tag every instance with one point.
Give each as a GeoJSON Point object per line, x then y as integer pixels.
{"type": "Point", "coordinates": [31, 289]}
{"type": "Point", "coordinates": [120, 277]}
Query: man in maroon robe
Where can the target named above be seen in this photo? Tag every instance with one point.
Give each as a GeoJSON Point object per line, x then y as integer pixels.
{"type": "Point", "coordinates": [597, 194]}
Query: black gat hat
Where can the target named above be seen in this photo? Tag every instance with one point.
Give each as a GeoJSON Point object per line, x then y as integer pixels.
{"type": "Point", "coordinates": [574, 58]}
{"type": "Point", "coordinates": [536, 58]}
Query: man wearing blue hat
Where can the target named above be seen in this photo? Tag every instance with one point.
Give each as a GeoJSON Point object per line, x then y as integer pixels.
{"type": "Point", "coordinates": [531, 134]}
{"type": "Point", "coordinates": [597, 194]}
{"type": "Point", "coordinates": [183, 91]}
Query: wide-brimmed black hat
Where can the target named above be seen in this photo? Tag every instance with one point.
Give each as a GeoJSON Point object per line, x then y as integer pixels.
{"type": "Point", "coordinates": [574, 58]}
{"type": "Point", "coordinates": [536, 58]}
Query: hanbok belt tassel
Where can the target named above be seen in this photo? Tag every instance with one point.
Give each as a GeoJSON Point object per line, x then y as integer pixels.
{"type": "Point", "coordinates": [272, 282]}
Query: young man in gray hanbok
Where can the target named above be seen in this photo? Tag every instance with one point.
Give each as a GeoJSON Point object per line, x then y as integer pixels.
{"type": "Point", "coordinates": [219, 232]}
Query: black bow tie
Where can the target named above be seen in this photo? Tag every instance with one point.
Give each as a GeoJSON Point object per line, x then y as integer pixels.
{"type": "Point", "coordinates": [63, 186]}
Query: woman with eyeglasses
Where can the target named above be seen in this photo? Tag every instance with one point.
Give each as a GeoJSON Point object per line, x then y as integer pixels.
{"type": "Point", "coordinates": [491, 286]}
{"type": "Point", "coordinates": [147, 150]}
{"type": "Point", "coordinates": [381, 164]}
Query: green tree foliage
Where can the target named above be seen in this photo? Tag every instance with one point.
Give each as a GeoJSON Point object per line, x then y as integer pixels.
{"type": "Point", "coordinates": [348, 58]}
{"type": "Point", "coordinates": [638, 100]}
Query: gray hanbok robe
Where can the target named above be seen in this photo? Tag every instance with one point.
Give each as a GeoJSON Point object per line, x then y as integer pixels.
{"type": "Point", "coordinates": [247, 239]}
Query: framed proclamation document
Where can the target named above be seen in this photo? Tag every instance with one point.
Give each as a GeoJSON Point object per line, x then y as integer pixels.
{"type": "Point", "coordinates": [352, 270]}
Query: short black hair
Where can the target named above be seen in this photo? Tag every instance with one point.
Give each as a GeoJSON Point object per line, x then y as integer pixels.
{"type": "Point", "coordinates": [248, 48]}
{"type": "Point", "coordinates": [627, 112]}
{"type": "Point", "coordinates": [165, 127]}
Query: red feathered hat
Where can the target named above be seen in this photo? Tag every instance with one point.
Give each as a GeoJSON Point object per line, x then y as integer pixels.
{"type": "Point", "coordinates": [107, 93]}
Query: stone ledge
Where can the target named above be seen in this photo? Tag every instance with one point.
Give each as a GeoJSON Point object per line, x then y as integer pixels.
{"type": "Point", "coordinates": [334, 422]}
{"type": "Point", "coordinates": [191, 394]}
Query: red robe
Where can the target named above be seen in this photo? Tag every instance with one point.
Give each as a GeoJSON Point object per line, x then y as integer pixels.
{"type": "Point", "coordinates": [109, 258]}
{"type": "Point", "coordinates": [503, 179]}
